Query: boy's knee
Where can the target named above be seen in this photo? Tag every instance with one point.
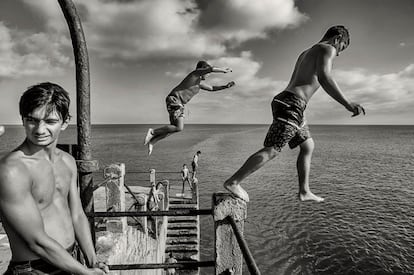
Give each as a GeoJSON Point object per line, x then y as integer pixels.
{"type": "Point", "coordinates": [271, 152]}
{"type": "Point", "coordinates": [307, 147]}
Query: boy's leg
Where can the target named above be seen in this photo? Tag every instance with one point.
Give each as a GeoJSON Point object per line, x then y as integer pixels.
{"type": "Point", "coordinates": [303, 165]}
{"type": "Point", "coordinates": [252, 164]}
{"type": "Point", "coordinates": [189, 184]}
{"type": "Point", "coordinates": [164, 131]}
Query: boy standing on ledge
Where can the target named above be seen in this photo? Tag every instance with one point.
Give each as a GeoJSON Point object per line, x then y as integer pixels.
{"type": "Point", "coordinates": [40, 205]}
{"type": "Point", "coordinates": [180, 96]}
{"type": "Point", "coordinates": [312, 70]}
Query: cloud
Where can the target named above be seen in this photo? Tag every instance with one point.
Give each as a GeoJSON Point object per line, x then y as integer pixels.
{"type": "Point", "coordinates": [387, 95]}
{"type": "Point", "coordinates": [23, 54]}
{"type": "Point", "coordinates": [241, 20]}
{"type": "Point", "coordinates": [248, 101]}
{"type": "Point", "coordinates": [150, 29]}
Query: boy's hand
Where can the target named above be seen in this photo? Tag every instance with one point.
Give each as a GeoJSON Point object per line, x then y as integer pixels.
{"type": "Point", "coordinates": [230, 84]}
{"type": "Point", "coordinates": [227, 70]}
{"type": "Point", "coordinates": [100, 268]}
{"type": "Point", "coordinates": [356, 109]}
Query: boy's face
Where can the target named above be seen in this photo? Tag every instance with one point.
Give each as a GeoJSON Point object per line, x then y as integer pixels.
{"type": "Point", "coordinates": [43, 129]}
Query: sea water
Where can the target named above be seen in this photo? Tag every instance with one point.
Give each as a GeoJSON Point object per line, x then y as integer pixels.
{"type": "Point", "coordinates": [365, 173]}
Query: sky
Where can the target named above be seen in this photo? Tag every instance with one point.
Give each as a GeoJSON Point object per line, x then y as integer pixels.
{"type": "Point", "coordinates": [140, 50]}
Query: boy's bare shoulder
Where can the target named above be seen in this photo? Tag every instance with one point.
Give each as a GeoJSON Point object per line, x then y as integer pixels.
{"type": "Point", "coordinates": [323, 48]}
{"type": "Point", "coordinates": [11, 159]}
{"type": "Point", "coordinates": [12, 166]}
{"type": "Point", "coordinates": [67, 158]}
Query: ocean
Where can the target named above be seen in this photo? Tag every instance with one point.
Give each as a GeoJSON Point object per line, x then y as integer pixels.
{"type": "Point", "coordinates": [365, 173]}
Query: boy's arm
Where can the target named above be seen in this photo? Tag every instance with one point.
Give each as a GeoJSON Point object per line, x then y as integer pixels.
{"type": "Point", "coordinates": [80, 221]}
{"type": "Point", "coordinates": [209, 88]}
{"type": "Point", "coordinates": [207, 70]}
{"type": "Point", "coordinates": [328, 83]}
{"type": "Point", "coordinates": [19, 209]}
{"type": "Point", "coordinates": [221, 70]}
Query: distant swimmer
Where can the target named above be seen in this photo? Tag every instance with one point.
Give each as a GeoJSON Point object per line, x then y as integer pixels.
{"type": "Point", "coordinates": [312, 70]}
{"type": "Point", "coordinates": [2, 130]}
{"type": "Point", "coordinates": [180, 96]}
{"type": "Point", "coordinates": [40, 207]}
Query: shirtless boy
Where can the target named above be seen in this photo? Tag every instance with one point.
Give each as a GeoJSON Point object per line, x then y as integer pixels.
{"type": "Point", "coordinates": [194, 164]}
{"type": "Point", "coordinates": [312, 70]}
{"type": "Point", "coordinates": [185, 176]}
{"type": "Point", "coordinates": [40, 205]}
{"type": "Point", "coordinates": [180, 96]}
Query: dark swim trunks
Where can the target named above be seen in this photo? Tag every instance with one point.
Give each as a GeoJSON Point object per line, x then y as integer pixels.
{"type": "Point", "coordinates": [288, 123]}
{"type": "Point", "coordinates": [37, 267]}
{"type": "Point", "coordinates": [175, 108]}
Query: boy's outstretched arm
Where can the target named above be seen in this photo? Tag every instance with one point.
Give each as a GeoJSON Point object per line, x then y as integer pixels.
{"type": "Point", "coordinates": [221, 70]}
{"type": "Point", "coordinates": [209, 88]}
{"type": "Point", "coordinates": [328, 83]}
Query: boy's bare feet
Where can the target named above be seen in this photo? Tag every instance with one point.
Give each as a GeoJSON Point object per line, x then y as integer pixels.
{"type": "Point", "coordinates": [309, 196]}
{"type": "Point", "coordinates": [150, 147]}
{"type": "Point", "coordinates": [149, 136]}
{"type": "Point", "coordinates": [237, 191]}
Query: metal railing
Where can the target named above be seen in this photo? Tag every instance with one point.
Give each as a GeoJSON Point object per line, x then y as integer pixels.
{"type": "Point", "coordinates": [247, 255]}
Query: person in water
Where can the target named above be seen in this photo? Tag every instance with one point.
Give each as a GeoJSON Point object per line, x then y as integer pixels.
{"type": "Point", "coordinates": [313, 69]}
{"type": "Point", "coordinates": [180, 96]}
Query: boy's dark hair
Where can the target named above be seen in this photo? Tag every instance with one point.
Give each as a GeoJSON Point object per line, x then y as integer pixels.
{"type": "Point", "coordinates": [51, 95]}
{"type": "Point", "coordinates": [198, 152]}
{"type": "Point", "coordinates": [337, 30]}
{"type": "Point", "coordinates": [202, 64]}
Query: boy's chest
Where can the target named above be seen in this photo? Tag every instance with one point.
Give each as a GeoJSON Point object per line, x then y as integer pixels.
{"type": "Point", "coordinates": [49, 182]}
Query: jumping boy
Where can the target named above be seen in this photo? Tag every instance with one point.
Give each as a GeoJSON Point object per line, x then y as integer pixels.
{"type": "Point", "coordinates": [180, 96]}
{"type": "Point", "coordinates": [312, 70]}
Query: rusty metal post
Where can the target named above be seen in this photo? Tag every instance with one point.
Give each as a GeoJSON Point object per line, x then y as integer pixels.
{"type": "Point", "coordinates": [85, 163]}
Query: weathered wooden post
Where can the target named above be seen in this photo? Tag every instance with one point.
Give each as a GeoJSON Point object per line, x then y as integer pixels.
{"type": "Point", "coordinates": [85, 163]}
{"type": "Point", "coordinates": [115, 201]}
{"type": "Point", "coordinates": [166, 186]}
{"type": "Point", "coordinates": [194, 191]}
{"type": "Point", "coordinates": [141, 205]}
{"type": "Point", "coordinates": [228, 255]}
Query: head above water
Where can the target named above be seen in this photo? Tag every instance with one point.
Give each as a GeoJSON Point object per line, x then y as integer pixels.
{"type": "Point", "coordinates": [339, 36]}
{"type": "Point", "coordinates": [51, 95]}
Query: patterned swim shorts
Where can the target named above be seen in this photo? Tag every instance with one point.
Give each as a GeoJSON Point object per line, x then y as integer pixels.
{"type": "Point", "coordinates": [288, 124]}
{"type": "Point", "coordinates": [175, 108]}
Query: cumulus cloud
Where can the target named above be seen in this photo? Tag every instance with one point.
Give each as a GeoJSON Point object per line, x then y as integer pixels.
{"type": "Point", "coordinates": [248, 99]}
{"type": "Point", "coordinates": [23, 54]}
{"type": "Point", "coordinates": [241, 20]}
{"type": "Point", "coordinates": [381, 94]}
{"type": "Point", "coordinates": [171, 28]}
